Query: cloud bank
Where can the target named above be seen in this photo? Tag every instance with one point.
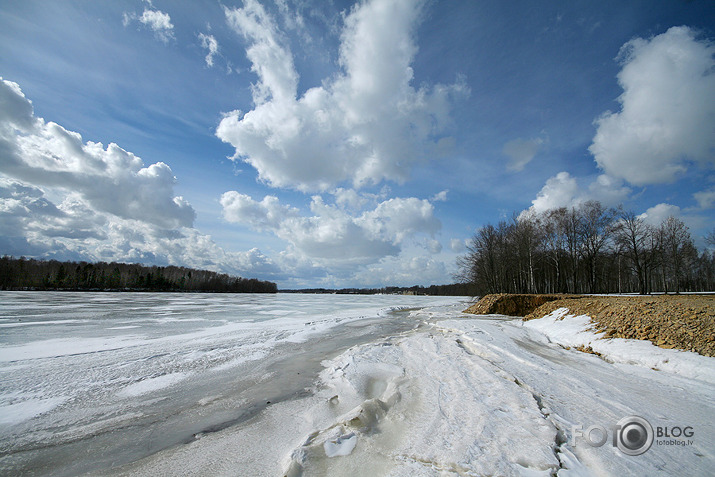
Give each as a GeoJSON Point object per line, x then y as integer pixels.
{"type": "Point", "coordinates": [65, 198]}
{"type": "Point", "coordinates": [667, 115]}
{"type": "Point", "coordinates": [109, 179]}
{"type": "Point", "coordinates": [363, 125]}
{"type": "Point", "coordinates": [332, 237]}
{"type": "Point", "coordinates": [665, 124]}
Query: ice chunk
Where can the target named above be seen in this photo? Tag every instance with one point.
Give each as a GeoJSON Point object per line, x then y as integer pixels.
{"type": "Point", "coordinates": [341, 445]}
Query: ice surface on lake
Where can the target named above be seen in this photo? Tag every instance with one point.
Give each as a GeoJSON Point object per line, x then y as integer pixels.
{"type": "Point", "coordinates": [465, 395]}
{"type": "Point", "coordinates": [298, 394]}
{"type": "Point", "coordinates": [27, 408]}
{"type": "Point", "coordinates": [152, 384]}
{"type": "Point", "coordinates": [74, 365]}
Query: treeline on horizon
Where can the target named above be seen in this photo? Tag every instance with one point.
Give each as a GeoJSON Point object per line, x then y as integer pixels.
{"type": "Point", "coordinates": [454, 289]}
{"type": "Point", "coordinates": [23, 273]}
{"type": "Point", "coordinates": [586, 249]}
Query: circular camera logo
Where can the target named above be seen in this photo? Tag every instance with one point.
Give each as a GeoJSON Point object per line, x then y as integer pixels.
{"type": "Point", "coordinates": [633, 435]}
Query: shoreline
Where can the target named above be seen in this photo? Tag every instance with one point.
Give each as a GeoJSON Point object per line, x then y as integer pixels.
{"type": "Point", "coordinates": [685, 322]}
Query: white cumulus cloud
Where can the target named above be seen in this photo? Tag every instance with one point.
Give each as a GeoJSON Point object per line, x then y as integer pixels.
{"type": "Point", "coordinates": [440, 196]}
{"type": "Point", "coordinates": [657, 214]}
{"type": "Point", "coordinates": [607, 190]}
{"type": "Point", "coordinates": [110, 179]}
{"type": "Point", "coordinates": [33, 225]}
{"type": "Point", "coordinates": [403, 271]}
{"type": "Point", "coordinates": [363, 125]}
{"type": "Point", "coordinates": [564, 190]}
{"type": "Point", "coordinates": [559, 191]}
{"type": "Point", "coordinates": [268, 214]}
{"type": "Point", "coordinates": [667, 115]}
{"type": "Point", "coordinates": [331, 236]}
{"type": "Point", "coordinates": [61, 197]}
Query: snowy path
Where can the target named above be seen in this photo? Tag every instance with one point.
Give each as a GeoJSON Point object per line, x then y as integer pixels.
{"type": "Point", "coordinates": [475, 396]}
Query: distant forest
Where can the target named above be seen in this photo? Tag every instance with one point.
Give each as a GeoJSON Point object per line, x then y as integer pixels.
{"type": "Point", "coordinates": [456, 289]}
{"type": "Point", "coordinates": [587, 249]}
{"type": "Point", "coordinates": [22, 274]}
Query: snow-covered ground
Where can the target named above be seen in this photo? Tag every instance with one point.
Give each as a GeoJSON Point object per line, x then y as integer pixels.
{"type": "Point", "coordinates": [459, 395]}
{"type": "Point", "coordinates": [474, 396]}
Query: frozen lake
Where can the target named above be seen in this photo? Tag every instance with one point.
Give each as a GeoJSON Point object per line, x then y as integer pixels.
{"type": "Point", "coordinates": [114, 377]}
{"type": "Point", "coordinates": [315, 385]}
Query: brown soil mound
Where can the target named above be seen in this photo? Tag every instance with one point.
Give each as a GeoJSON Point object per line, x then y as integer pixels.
{"type": "Point", "coordinates": [684, 321]}
{"type": "Point", "coordinates": [512, 304]}
{"type": "Point", "coordinates": [670, 321]}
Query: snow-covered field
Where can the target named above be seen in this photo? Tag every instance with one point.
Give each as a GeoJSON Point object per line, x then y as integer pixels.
{"type": "Point", "coordinates": [339, 392]}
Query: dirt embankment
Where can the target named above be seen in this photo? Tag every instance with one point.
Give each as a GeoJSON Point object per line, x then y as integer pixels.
{"type": "Point", "coordinates": [512, 304]}
{"type": "Point", "coordinates": [670, 321]}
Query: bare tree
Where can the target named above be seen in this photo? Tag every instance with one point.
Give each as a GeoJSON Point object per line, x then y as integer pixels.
{"type": "Point", "coordinates": [569, 224]}
{"type": "Point", "coordinates": [554, 238]}
{"type": "Point", "coordinates": [596, 229]}
{"type": "Point", "coordinates": [677, 246]}
{"type": "Point", "coordinates": [481, 264]}
{"type": "Point", "coordinates": [632, 235]}
{"type": "Point", "coordinates": [583, 249]}
{"type": "Point", "coordinates": [710, 238]}
{"type": "Point", "coordinates": [527, 236]}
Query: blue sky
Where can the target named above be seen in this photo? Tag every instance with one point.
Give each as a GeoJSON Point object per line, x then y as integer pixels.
{"type": "Point", "coordinates": [342, 143]}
